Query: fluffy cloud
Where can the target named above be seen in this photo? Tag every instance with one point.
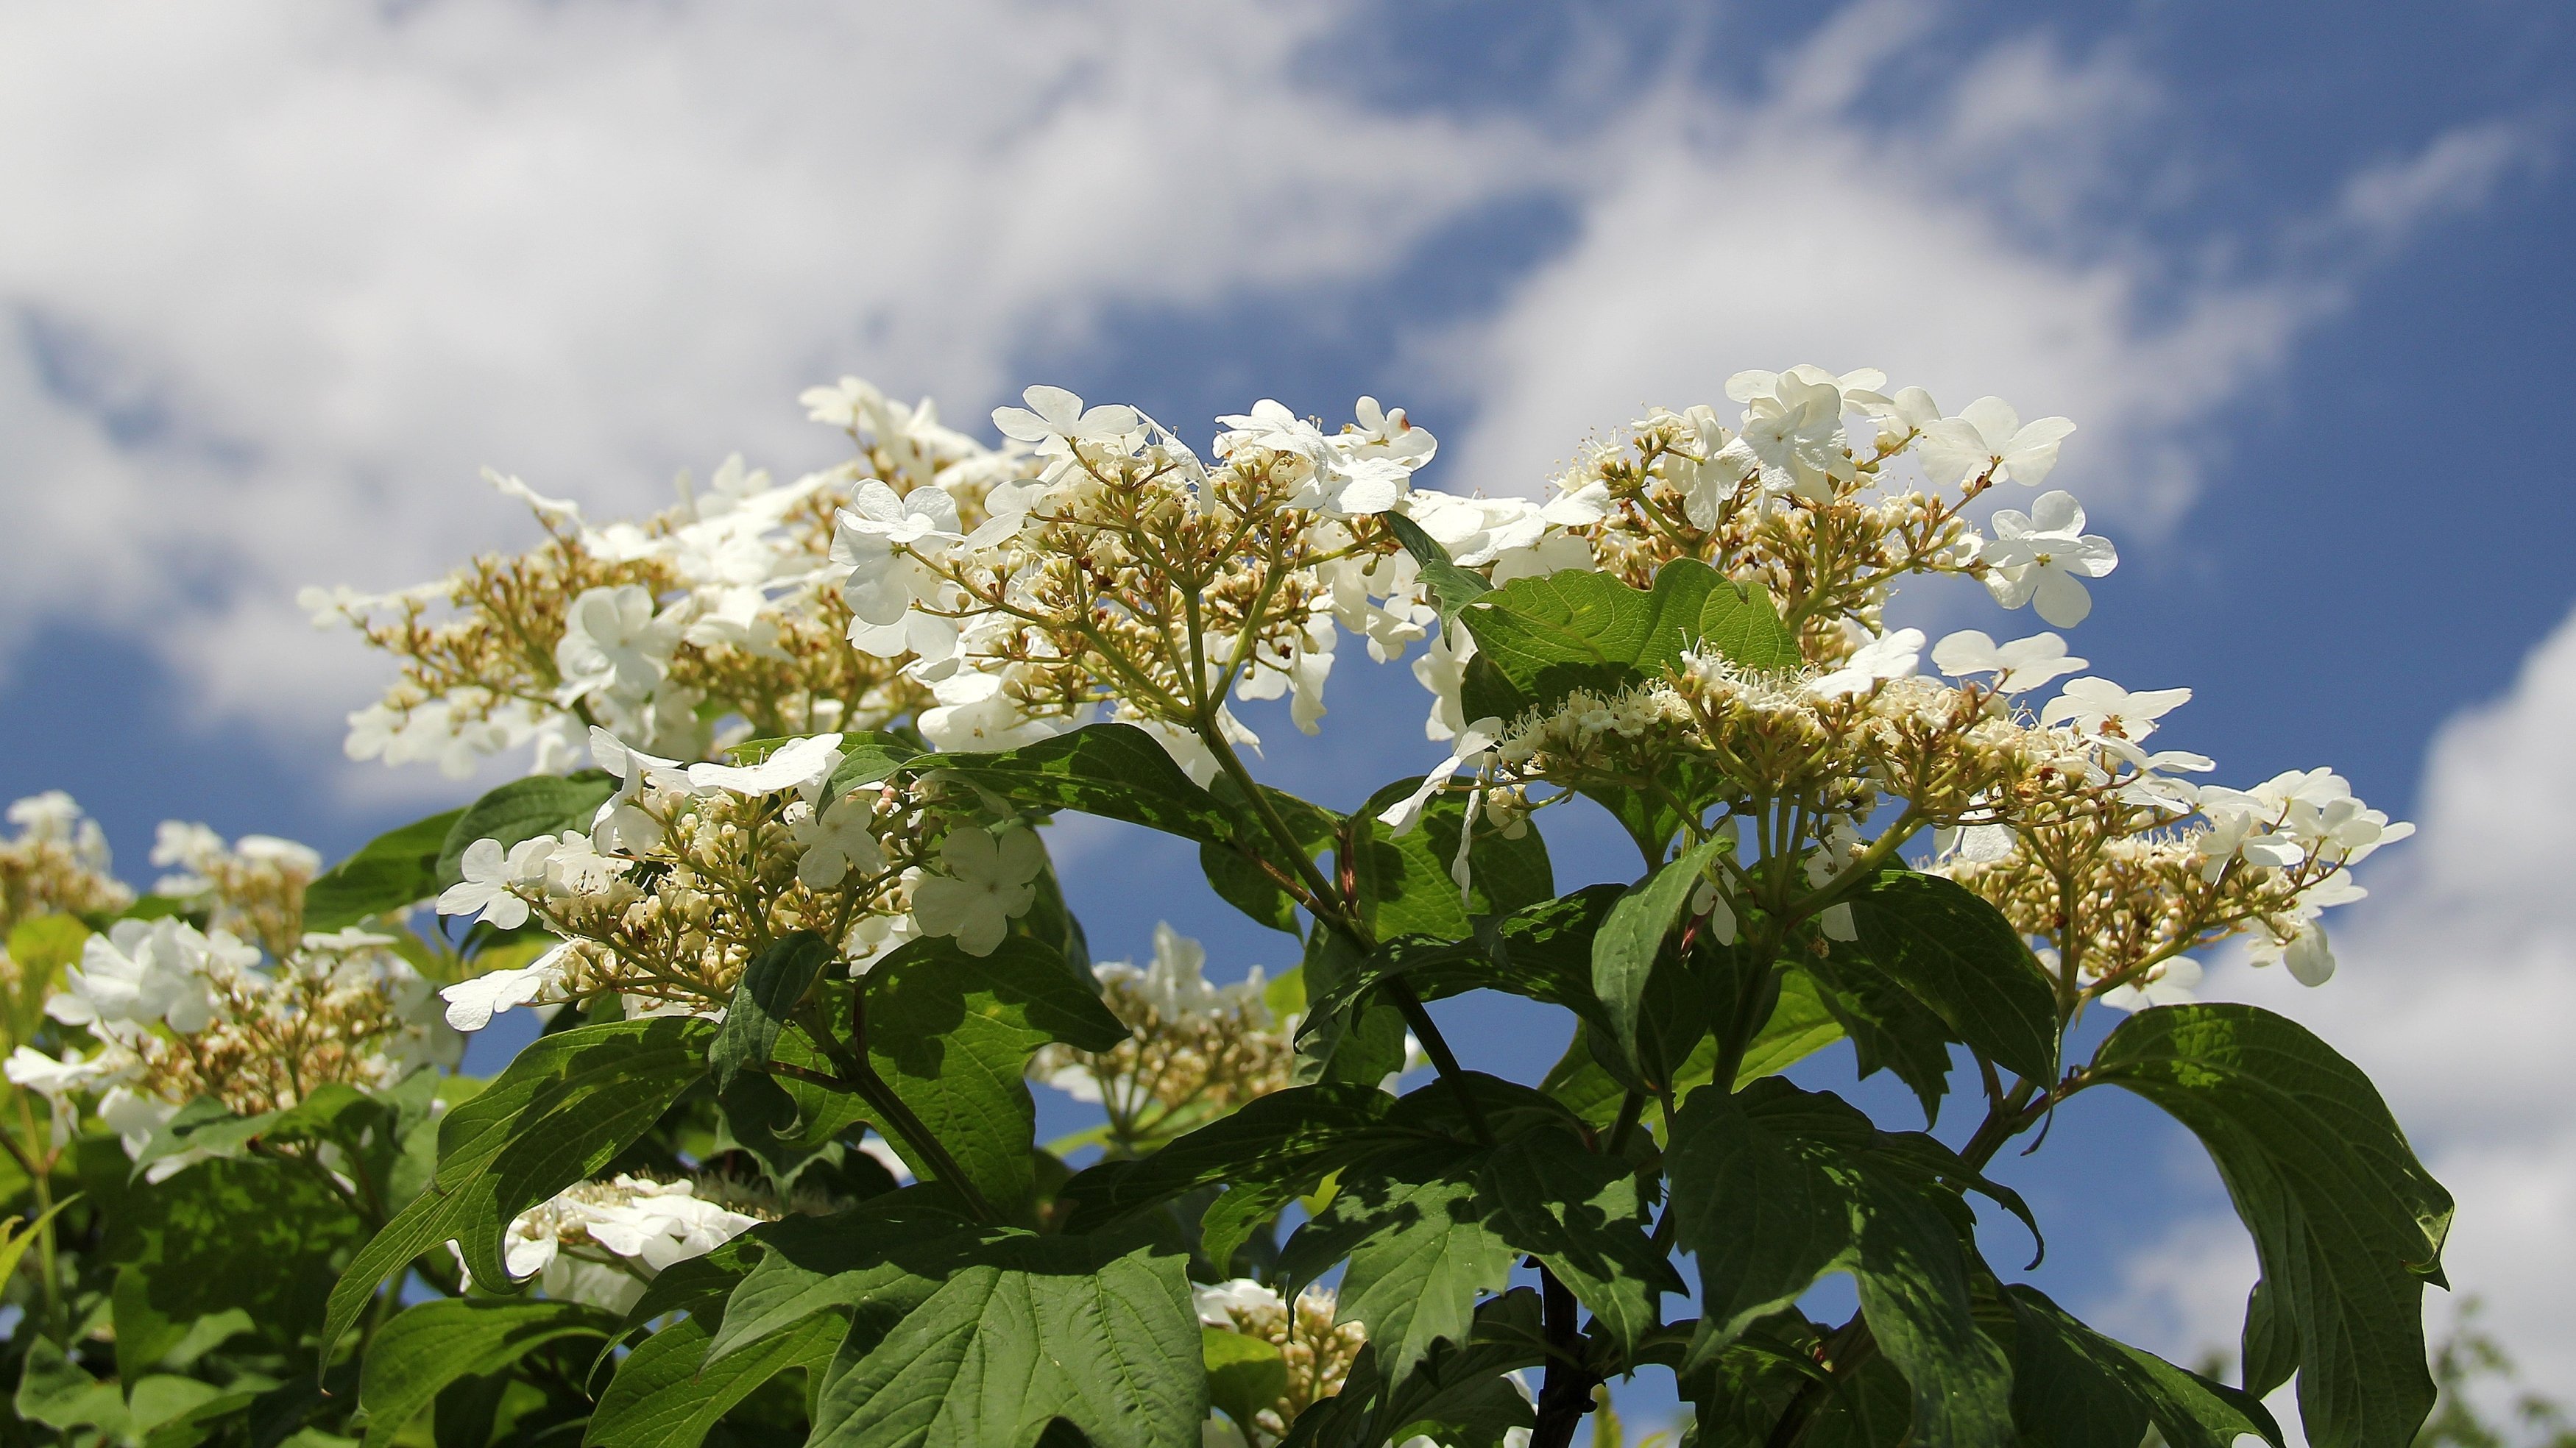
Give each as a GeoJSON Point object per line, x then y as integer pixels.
{"type": "Point", "coordinates": [2456, 985]}
{"type": "Point", "coordinates": [279, 279]}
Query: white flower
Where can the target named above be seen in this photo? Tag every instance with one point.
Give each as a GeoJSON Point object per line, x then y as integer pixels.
{"type": "Point", "coordinates": [836, 842]}
{"type": "Point", "coordinates": [2038, 557]}
{"type": "Point", "coordinates": [471, 1004]}
{"type": "Point", "coordinates": [988, 882]}
{"type": "Point", "coordinates": [1473, 743]}
{"type": "Point", "coordinates": [1053, 412]}
{"type": "Point", "coordinates": [2098, 706]}
{"type": "Point", "coordinates": [48, 816]}
{"type": "Point", "coordinates": [489, 876]}
{"type": "Point", "coordinates": [796, 764]}
{"type": "Point", "coordinates": [1217, 1305]}
{"type": "Point", "coordinates": [2170, 985]}
{"type": "Point", "coordinates": [613, 640]}
{"type": "Point", "coordinates": [1389, 433]}
{"type": "Point", "coordinates": [149, 971]}
{"type": "Point", "coordinates": [1890, 656]}
{"type": "Point", "coordinates": [974, 712]}
{"type": "Point", "coordinates": [42, 1074]}
{"type": "Point", "coordinates": [667, 1225]}
{"type": "Point", "coordinates": [576, 867]}
{"type": "Point", "coordinates": [621, 823]}
{"type": "Point", "coordinates": [878, 537]}
{"type": "Point", "coordinates": [1988, 434]}
{"type": "Point", "coordinates": [1794, 436]}
{"type": "Point", "coordinates": [1442, 669]}
{"type": "Point", "coordinates": [2018, 666]}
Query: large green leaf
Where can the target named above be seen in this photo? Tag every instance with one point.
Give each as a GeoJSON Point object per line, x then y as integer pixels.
{"type": "Point", "coordinates": [564, 1108]}
{"type": "Point", "coordinates": [1247, 886]}
{"type": "Point", "coordinates": [1115, 771]}
{"type": "Point", "coordinates": [1420, 1248]}
{"type": "Point", "coordinates": [1799, 1026]}
{"type": "Point", "coordinates": [1246, 1374]}
{"type": "Point", "coordinates": [1405, 887]}
{"type": "Point", "coordinates": [2347, 1224]}
{"type": "Point", "coordinates": [867, 758]}
{"type": "Point", "coordinates": [668, 1393]}
{"type": "Point", "coordinates": [1580, 630]}
{"type": "Point", "coordinates": [430, 1345]}
{"type": "Point", "coordinates": [257, 1237]}
{"type": "Point", "coordinates": [541, 804]}
{"type": "Point", "coordinates": [2075, 1388]}
{"type": "Point", "coordinates": [1891, 1029]}
{"type": "Point", "coordinates": [395, 869]}
{"type": "Point", "coordinates": [1776, 1186]}
{"type": "Point", "coordinates": [1958, 955]}
{"type": "Point", "coordinates": [1579, 1212]}
{"type": "Point", "coordinates": [1049, 1328]}
{"type": "Point", "coordinates": [952, 1033]}
{"type": "Point", "coordinates": [1624, 957]}
{"type": "Point", "coordinates": [771, 985]}
{"type": "Point", "coordinates": [1740, 621]}
{"type": "Point", "coordinates": [869, 1266]}
{"type": "Point", "coordinates": [1274, 1150]}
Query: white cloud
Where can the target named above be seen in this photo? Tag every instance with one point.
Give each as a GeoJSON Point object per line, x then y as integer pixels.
{"type": "Point", "coordinates": [279, 279]}
{"type": "Point", "coordinates": [2456, 987]}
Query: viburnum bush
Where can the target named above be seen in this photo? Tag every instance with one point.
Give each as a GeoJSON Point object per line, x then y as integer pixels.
{"type": "Point", "coordinates": [776, 883]}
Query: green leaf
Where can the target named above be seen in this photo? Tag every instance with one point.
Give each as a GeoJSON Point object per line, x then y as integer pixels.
{"type": "Point", "coordinates": [255, 1236]}
{"type": "Point", "coordinates": [2075, 1388]}
{"type": "Point", "coordinates": [1245, 1374]}
{"type": "Point", "coordinates": [785, 1120]}
{"type": "Point", "coordinates": [952, 1033]}
{"type": "Point", "coordinates": [1579, 1212]}
{"type": "Point", "coordinates": [59, 1393]}
{"type": "Point", "coordinates": [1776, 1186]}
{"type": "Point", "coordinates": [668, 1393]}
{"type": "Point", "coordinates": [1625, 952]}
{"type": "Point", "coordinates": [871, 1264]}
{"type": "Point", "coordinates": [1457, 1396]}
{"type": "Point", "coordinates": [563, 1109]}
{"type": "Point", "coordinates": [869, 757]}
{"type": "Point", "coordinates": [1404, 883]}
{"type": "Point", "coordinates": [1891, 1029]}
{"type": "Point", "coordinates": [432, 1344]}
{"type": "Point", "coordinates": [2347, 1224]}
{"type": "Point", "coordinates": [1581, 630]}
{"type": "Point", "coordinates": [1740, 621]}
{"type": "Point", "coordinates": [2269, 1349]}
{"type": "Point", "coordinates": [1420, 1248]}
{"type": "Point", "coordinates": [1958, 955]}
{"type": "Point", "coordinates": [1053, 1328]}
{"type": "Point", "coordinates": [1289, 1140]}
{"type": "Point", "coordinates": [392, 870]}
{"type": "Point", "coordinates": [1245, 885]}
{"type": "Point", "coordinates": [771, 985]}
{"type": "Point", "coordinates": [1115, 771]}
{"type": "Point", "coordinates": [541, 804]}
{"type": "Point", "coordinates": [1452, 587]}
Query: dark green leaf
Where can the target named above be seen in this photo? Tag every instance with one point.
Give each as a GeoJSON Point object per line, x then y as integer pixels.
{"type": "Point", "coordinates": [2347, 1224]}
{"type": "Point", "coordinates": [1739, 621]}
{"type": "Point", "coordinates": [392, 870]}
{"type": "Point", "coordinates": [1247, 886]}
{"type": "Point", "coordinates": [1452, 587]}
{"type": "Point", "coordinates": [1579, 1212]}
{"type": "Point", "coordinates": [2075, 1388]}
{"type": "Point", "coordinates": [1457, 1396]}
{"type": "Point", "coordinates": [1404, 881]}
{"type": "Point", "coordinates": [876, 1261]}
{"type": "Point", "coordinates": [868, 758]}
{"type": "Point", "coordinates": [564, 1108]}
{"type": "Point", "coordinates": [1420, 1249]}
{"type": "Point", "coordinates": [1777, 1186]}
{"type": "Point", "coordinates": [2269, 1348]}
{"type": "Point", "coordinates": [254, 1236]}
{"type": "Point", "coordinates": [1631, 941]}
{"type": "Point", "coordinates": [771, 985]}
{"type": "Point", "coordinates": [668, 1393]}
{"type": "Point", "coordinates": [541, 804]}
{"type": "Point", "coordinates": [952, 1033]}
{"type": "Point", "coordinates": [1891, 1029]}
{"type": "Point", "coordinates": [1245, 1374]}
{"type": "Point", "coordinates": [432, 1344]}
{"type": "Point", "coordinates": [1294, 1138]}
{"type": "Point", "coordinates": [1049, 1330]}
{"type": "Point", "coordinates": [1959, 955]}
{"type": "Point", "coordinates": [1115, 771]}
{"type": "Point", "coordinates": [1581, 630]}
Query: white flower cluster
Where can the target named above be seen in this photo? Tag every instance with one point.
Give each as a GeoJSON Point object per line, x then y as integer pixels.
{"type": "Point", "coordinates": [601, 1242]}
{"type": "Point", "coordinates": [1174, 988]}
{"type": "Point", "coordinates": [177, 1013]}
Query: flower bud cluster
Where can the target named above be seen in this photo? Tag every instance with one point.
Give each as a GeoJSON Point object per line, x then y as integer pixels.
{"type": "Point", "coordinates": [57, 863]}
{"type": "Point", "coordinates": [1317, 1351]}
{"type": "Point", "coordinates": [1197, 1051]}
{"type": "Point", "coordinates": [172, 1012]}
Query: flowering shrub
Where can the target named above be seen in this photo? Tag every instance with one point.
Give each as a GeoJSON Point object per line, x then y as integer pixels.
{"type": "Point", "coordinates": [775, 880]}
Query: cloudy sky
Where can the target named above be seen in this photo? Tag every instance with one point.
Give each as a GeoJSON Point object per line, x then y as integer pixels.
{"type": "Point", "coordinates": [278, 279]}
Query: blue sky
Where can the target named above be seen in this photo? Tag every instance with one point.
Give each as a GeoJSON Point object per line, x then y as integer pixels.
{"type": "Point", "coordinates": [2298, 270]}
